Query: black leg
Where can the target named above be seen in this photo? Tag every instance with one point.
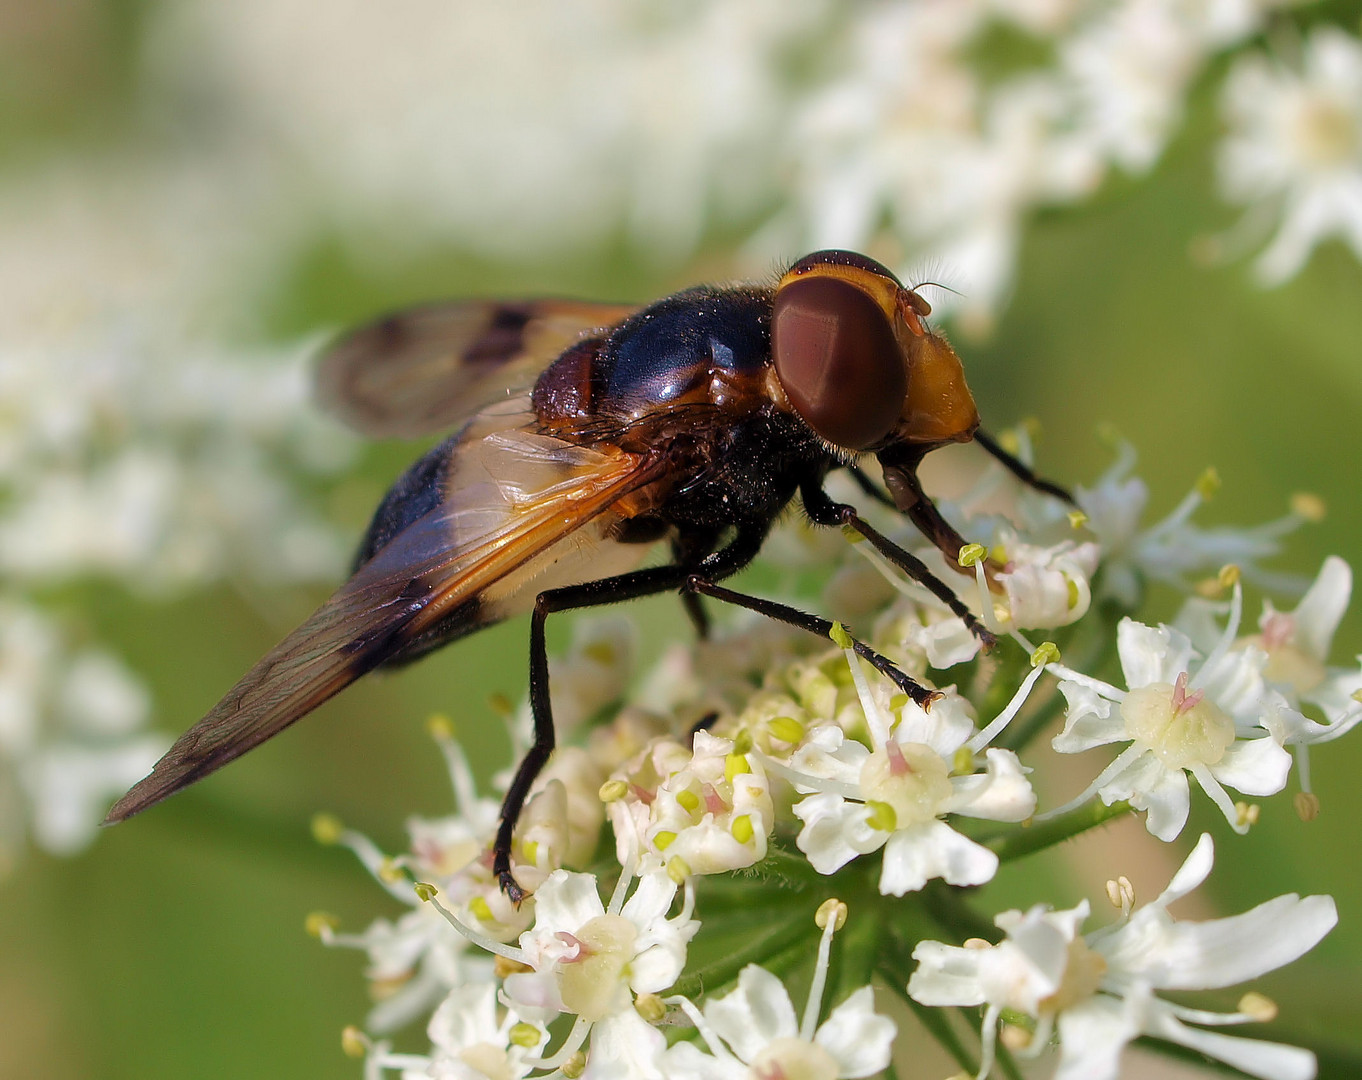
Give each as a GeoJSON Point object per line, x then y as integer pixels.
{"type": "Point", "coordinates": [870, 487]}
{"type": "Point", "coordinates": [688, 551]}
{"type": "Point", "coordinates": [610, 590]}
{"type": "Point", "coordinates": [823, 511]}
{"type": "Point", "coordinates": [814, 625]}
{"type": "Point", "coordinates": [1021, 470]}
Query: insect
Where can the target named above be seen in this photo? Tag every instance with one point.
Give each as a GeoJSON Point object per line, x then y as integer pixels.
{"type": "Point", "coordinates": [692, 422]}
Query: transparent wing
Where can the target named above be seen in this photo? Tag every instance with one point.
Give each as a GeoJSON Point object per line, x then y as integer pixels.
{"type": "Point", "coordinates": [516, 502]}
{"type": "Point", "coordinates": [430, 368]}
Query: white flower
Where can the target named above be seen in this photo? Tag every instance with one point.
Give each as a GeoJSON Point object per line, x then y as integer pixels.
{"type": "Point", "coordinates": [1098, 989]}
{"type": "Point", "coordinates": [895, 793]}
{"type": "Point", "coordinates": [1173, 548]}
{"type": "Point", "coordinates": [1180, 717]}
{"type": "Point", "coordinates": [590, 961]}
{"type": "Point", "coordinates": [1048, 586]}
{"type": "Point", "coordinates": [711, 807]}
{"type": "Point", "coordinates": [1294, 151]}
{"type": "Point", "coordinates": [471, 1038]}
{"type": "Point", "coordinates": [753, 1031]}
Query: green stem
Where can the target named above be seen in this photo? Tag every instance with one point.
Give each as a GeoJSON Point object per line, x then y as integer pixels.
{"type": "Point", "coordinates": [782, 938]}
{"type": "Point", "coordinates": [1027, 840]}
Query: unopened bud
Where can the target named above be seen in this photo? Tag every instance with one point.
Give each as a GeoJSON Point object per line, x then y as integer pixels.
{"type": "Point", "coordinates": [832, 910]}
{"type": "Point", "coordinates": [787, 728]}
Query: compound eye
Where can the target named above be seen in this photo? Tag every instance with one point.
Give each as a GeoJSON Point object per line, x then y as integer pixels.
{"type": "Point", "coordinates": [836, 355]}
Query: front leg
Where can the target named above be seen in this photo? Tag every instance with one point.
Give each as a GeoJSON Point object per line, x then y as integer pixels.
{"type": "Point", "coordinates": [822, 510]}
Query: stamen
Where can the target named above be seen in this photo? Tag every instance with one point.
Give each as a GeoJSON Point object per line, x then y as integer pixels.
{"type": "Point", "coordinates": [429, 894]}
{"type": "Point", "coordinates": [995, 728]}
{"type": "Point", "coordinates": [832, 915]}
{"type": "Point", "coordinates": [1121, 762]}
{"type": "Point", "coordinates": [1211, 786]}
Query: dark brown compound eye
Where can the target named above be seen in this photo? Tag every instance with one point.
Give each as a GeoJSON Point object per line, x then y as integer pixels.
{"type": "Point", "coordinates": [838, 360]}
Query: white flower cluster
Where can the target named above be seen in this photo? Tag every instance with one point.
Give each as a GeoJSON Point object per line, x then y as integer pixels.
{"type": "Point", "coordinates": [928, 130]}
{"type": "Point", "coordinates": [763, 768]}
{"type": "Point", "coordinates": [132, 452]}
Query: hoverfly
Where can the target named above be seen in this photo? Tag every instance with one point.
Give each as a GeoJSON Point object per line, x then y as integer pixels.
{"type": "Point", "coordinates": [694, 421]}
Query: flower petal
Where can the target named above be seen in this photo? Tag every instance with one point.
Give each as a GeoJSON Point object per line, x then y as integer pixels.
{"type": "Point", "coordinates": [1091, 1037]}
{"type": "Point", "coordinates": [758, 1011]}
{"type": "Point", "coordinates": [1152, 654]}
{"type": "Point", "coordinates": [915, 855]}
{"type": "Point", "coordinates": [946, 975]}
{"type": "Point", "coordinates": [1271, 1061]}
{"type": "Point", "coordinates": [1254, 766]}
{"type": "Point", "coordinates": [856, 1036]}
{"type": "Point", "coordinates": [1002, 793]}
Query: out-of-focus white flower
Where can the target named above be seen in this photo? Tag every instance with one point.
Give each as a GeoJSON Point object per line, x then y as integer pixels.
{"type": "Point", "coordinates": [1294, 150]}
{"type": "Point", "coordinates": [1172, 549]}
{"type": "Point", "coordinates": [71, 734]}
{"type": "Point", "coordinates": [1179, 717]}
{"type": "Point", "coordinates": [1048, 586]}
{"type": "Point", "coordinates": [1098, 989]}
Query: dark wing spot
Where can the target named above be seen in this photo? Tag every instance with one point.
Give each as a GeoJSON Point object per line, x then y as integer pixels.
{"type": "Point", "coordinates": [503, 339]}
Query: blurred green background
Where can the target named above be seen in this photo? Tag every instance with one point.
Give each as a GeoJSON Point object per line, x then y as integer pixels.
{"type": "Point", "coordinates": [175, 947]}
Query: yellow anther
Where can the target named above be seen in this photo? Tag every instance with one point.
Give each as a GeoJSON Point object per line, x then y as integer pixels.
{"type": "Point", "coordinates": [1108, 433]}
{"type": "Point", "coordinates": [327, 829]}
{"type": "Point", "coordinates": [439, 726]}
{"type": "Point", "coordinates": [1047, 652]}
{"type": "Point", "coordinates": [481, 910]}
{"type": "Point", "coordinates": [650, 1007]}
{"type": "Point", "coordinates": [678, 869]}
{"type": "Point", "coordinates": [574, 1066]}
{"type": "Point", "coordinates": [971, 554]}
{"type": "Point", "coordinates": [426, 891]}
{"type": "Point", "coordinates": [523, 1035]}
{"type": "Point", "coordinates": [390, 871]}
{"type": "Point", "coordinates": [688, 801]}
{"type": "Point", "coordinates": [962, 762]}
{"type": "Point", "coordinates": [1228, 576]}
{"type": "Point", "coordinates": [851, 534]}
{"type": "Point", "coordinates": [977, 943]}
{"type": "Point", "coordinates": [898, 701]}
{"type": "Point", "coordinates": [663, 840]}
{"type": "Point", "coordinates": [1209, 588]}
{"type": "Point", "coordinates": [998, 554]}
{"type": "Point", "coordinates": [354, 1043]}
{"type": "Point", "coordinates": [882, 816]}
{"type": "Point", "coordinates": [1246, 813]}
{"type": "Point", "coordinates": [1009, 441]}
{"type": "Point", "coordinates": [1075, 594]}
{"type": "Point", "coordinates": [1208, 483]}
{"type": "Point", "coordinates": [787, 728]}
{"type": "Point", "coordinates": [613, 791]}
{"type": "Point", "coordinates": [742, 742]}
{"type": "Point", "coordinates": [840, 637]}
{"type": "Point", "coordinates": [529, 849]}
{"type": "Point", "coordinates": [1121, 893]}
{"type": "Point", "coordinates": [1259, 1006]}
{"type": "Point", "coordinates": [319, 924]}
{"type": "Point", "coordinates": [1077, 519]}
{"type": "Point", "coordinates": [1356, 695]}
{"type": "Point", "coordinates": [1307, 805]}
{"type": "Point", "coordinates": [736, 765]}
{"type": "Point", "coordinates": [500, 704]}
{"type": "Point", "coordinates": [1309, 506]}
{"type": "Point", "coordinates": [504, 965]}
{"type": "Point", "coordinates": [742, 829]}
{"type": "Point", "coordinates": [1002, 614]}
{"type": "Point", "coordinates": [830, 910]}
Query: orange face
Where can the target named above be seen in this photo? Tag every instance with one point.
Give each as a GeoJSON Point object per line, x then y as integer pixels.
{"type": "Point", "coordinates": [857, 362]}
